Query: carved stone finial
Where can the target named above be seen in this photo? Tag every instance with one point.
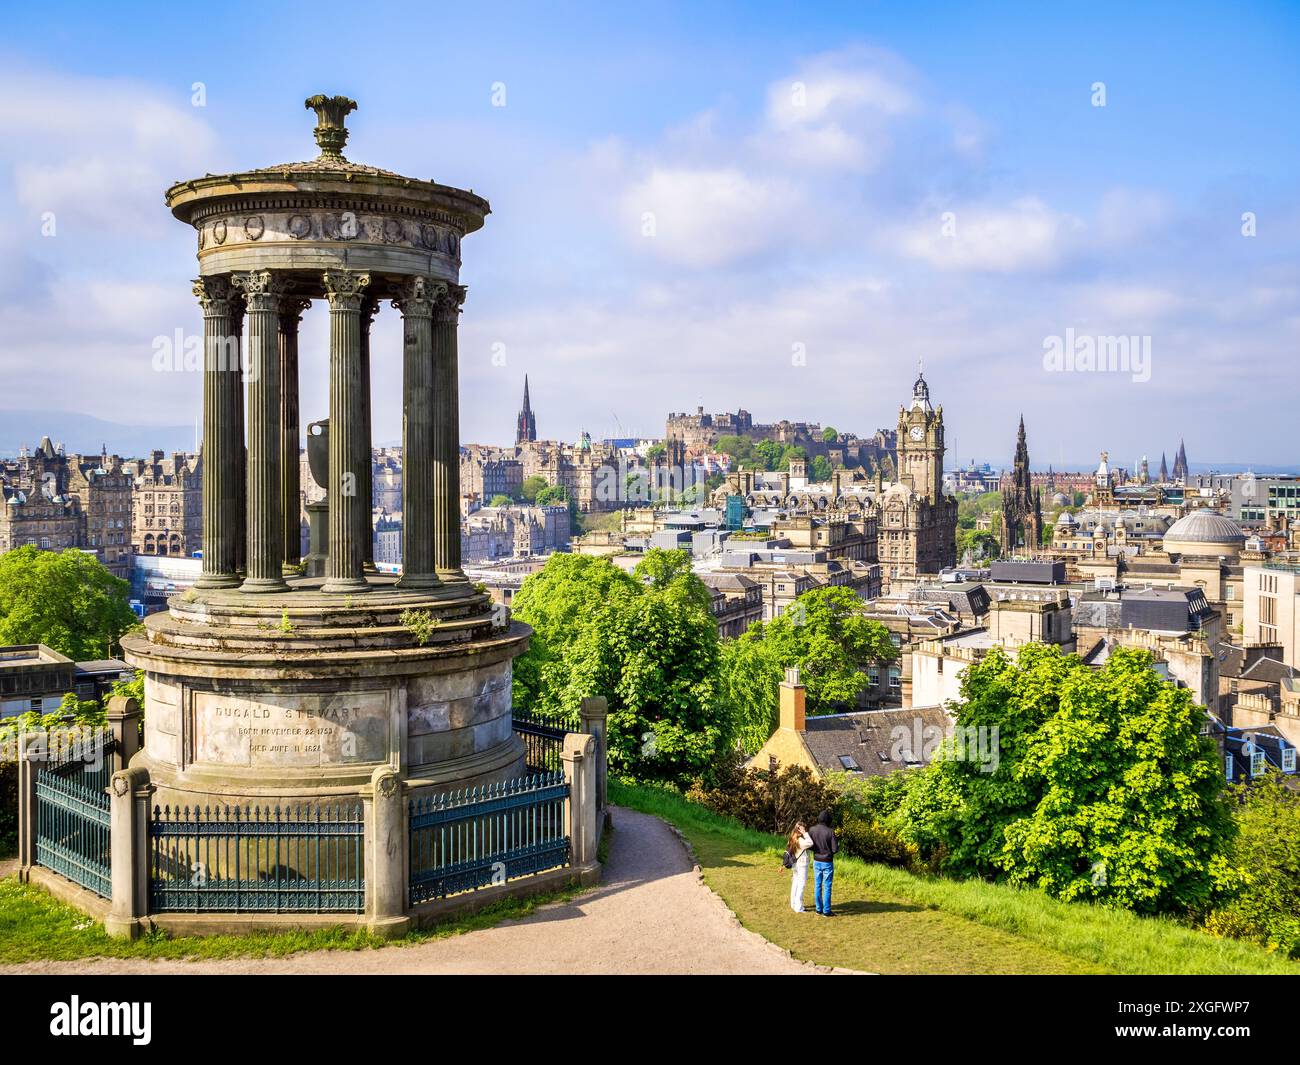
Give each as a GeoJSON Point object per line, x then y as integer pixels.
{"type": "Point", "coordinates": [330, 132]}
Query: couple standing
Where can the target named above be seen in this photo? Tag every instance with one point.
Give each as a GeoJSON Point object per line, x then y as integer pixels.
{"type": "Point", "coordinates": [821, 841]}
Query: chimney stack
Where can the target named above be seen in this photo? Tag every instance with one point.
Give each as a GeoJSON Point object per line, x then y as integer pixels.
{"type": "Point", "coordinates": [793, 701]}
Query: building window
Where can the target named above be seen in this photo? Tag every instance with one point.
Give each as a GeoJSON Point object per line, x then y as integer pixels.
{"type": "Point", "coordinates": [1288, 760]}
{"type": "Point", "coordinates": [1257, 762]}
{"type": "Point", "coordinates": [1227, 766]}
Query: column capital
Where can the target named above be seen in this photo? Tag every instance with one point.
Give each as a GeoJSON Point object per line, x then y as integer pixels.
{"type": "Point", "coordinates": [291, 310]}
{"type": "Point", "coordinates": [263, 290]}
{"type": "Point", "coordinates": [416, 295]}
{"type": "Point", "coordinates": [345, 288]}
{"type": "Point", "coordinates": [447, 300]}
{"type": "Point", "coordinates": [216, 295]}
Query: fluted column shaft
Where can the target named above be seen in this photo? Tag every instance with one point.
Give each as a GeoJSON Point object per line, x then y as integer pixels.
{"type": "Point", "coordinates": [349, 514]}
{"type": "Point", "coordinates": [237, 400]}
{"type": "Point", "coordinates": [291, 309]}
{"type": "Point", "coordinates": [369, 308]}
{"type": "Point", "coordinates": [416, 306]}
{"type": "Point", "coordinates": [446, 434]}
{"type": "Point", "coordinates": [222, 393]}
{"type": "Point", "coordinates": [264, 551]}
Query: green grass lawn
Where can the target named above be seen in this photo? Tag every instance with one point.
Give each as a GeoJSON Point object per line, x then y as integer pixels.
{"type": "Point", "coordinates": [35, 926]}
{"type": "Point", "coordinates": [891, 921]}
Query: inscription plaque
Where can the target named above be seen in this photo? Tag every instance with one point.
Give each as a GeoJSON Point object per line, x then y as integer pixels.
{"type": "Point", "coordinates": [291, 731]}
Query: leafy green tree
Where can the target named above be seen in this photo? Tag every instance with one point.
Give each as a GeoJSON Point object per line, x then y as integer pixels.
{"type": "Point", "coordinates": [820, 468]}
{"type": "Point", "coordinates": [670, 572]}
{"type": "Point", "coordinates": [826, 634]}
{"type": "Point", "coordinates": [771, 453]}
{"type": "Point", "coordinates": [1266, 853]}
{"type": "Point", "coordinates": [655, 658]}
{"type": "Point", "coordinates": [829, 435]}
{"type": "Point", "coordinates": [66, 600]}
{"type": "Point", "coordinates": [531, 487]}
{"type": "Point", "coordinates": [557, 602]}
{"type": "Point", "coordinates": [552, 494]}
{"type": "Point", "coordinates": [742, 449]}
{"type": "Point", "coordinates": [980, 543]}
{"type": "Point", "coordinates": [1102, 789]}
{"type": "Point", "coordinates": [500, 500]}
{"type": "Point", "coordinates": [645, 641]}
{"type": "Point", "coordinates": [129, 689]}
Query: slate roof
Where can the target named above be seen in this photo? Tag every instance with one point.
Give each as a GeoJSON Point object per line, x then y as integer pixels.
{"type": "Point", "coordinates": [877, 741]}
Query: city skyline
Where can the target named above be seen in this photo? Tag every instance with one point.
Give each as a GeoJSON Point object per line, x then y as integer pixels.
{"type": "Point", "coordinates": [769, 231]}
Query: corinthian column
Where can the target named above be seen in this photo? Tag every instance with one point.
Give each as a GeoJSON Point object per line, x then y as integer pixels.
{"type": "Point", "coordinates": [416, 305]}
{"type": "Point", "coordinates": [446, 434]}
{"type": "Point", "coordinates": [369, 308]}
{"type": "Point", "coordinates": [265, 528]}
{"type": "Point", "coordinates": [349, 514]}
{"type": "Point", "coordinates": [291, 309]}
{"type": "Point", "coordinates": [222, 443]}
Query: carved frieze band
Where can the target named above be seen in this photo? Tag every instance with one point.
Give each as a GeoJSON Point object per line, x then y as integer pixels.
{"type": "Point", "coordinates": [326, 225]}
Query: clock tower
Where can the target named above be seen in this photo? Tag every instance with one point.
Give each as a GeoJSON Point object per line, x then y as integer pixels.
{"type": "Point", "coordinates": [920, 444]}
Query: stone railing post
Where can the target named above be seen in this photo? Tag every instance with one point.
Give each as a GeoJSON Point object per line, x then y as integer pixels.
{"type": "Point", "coordinates": [579, 759]}
{"type": "Point", "coordinates": [128, 812]}
{"type": "Point", "coordinates": [124, 715]}
{"type": "Point", "coordinates": [594, 712]}
{"type": "Point", "coordinates": [386, 853]}
{"type": "Point", "coordinates": [33, 749]}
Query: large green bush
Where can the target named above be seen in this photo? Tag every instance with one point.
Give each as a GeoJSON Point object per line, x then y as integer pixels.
{"type": "Point", "coordinates": [758, 799]}
{"type": "Point", "coordinates": [1266, 851]}
{"type": "Point", "coordinates": [874, 842]}
{"type": "Point", "coordinates": [1104, 789]}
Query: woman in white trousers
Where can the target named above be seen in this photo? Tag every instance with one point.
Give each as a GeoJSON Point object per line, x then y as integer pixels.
{"type": "Point", "coordinates": [798, 846]}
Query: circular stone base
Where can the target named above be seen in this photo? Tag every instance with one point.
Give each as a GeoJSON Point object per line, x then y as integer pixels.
{"type": "Point", "coordinates": [295, 696]}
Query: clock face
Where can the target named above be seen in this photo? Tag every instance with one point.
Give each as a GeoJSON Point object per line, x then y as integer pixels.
{"type": "Point", "coordinates": [917, 432]}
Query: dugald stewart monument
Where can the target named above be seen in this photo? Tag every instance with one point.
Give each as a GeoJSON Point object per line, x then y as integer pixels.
{"type": "Point", "coordinates": [278, 679]}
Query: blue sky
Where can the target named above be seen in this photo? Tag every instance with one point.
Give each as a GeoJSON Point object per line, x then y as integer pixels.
{"type": "Point", "coordinates": [784, 221]}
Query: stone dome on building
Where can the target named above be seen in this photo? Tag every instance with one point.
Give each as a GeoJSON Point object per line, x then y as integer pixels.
{"type": "Point", "coordinates": [1203, 532]}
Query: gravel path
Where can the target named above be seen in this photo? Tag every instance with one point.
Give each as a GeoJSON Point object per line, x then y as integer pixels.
{"type": "Point", "coordinates": [651, 914]}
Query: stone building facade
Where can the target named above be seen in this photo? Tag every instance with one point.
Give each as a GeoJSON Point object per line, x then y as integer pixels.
{"type": "Point", "coordinates": [514, 532]}
{"type": "Point", "coordinates": [105, 489]}
{"type": "Point", "coordinates": [168, 504]}
{"type": "Point", "coordinates": [56, 501]}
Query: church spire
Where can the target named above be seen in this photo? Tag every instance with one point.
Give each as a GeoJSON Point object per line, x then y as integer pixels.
{"type": "Point", "coordinates": [1180, 463]}
{"type": "Point", "coordinates": [1022, 504]}
{"type": "Point", "coordinates": [526, 423]}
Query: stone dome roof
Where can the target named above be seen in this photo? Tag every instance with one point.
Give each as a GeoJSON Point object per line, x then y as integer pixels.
{"type": "Point", "coordinates": [1205, 527]}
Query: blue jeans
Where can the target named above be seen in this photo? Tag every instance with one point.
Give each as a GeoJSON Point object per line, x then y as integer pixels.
{"type": "Point", "coordinates": [823, 875]}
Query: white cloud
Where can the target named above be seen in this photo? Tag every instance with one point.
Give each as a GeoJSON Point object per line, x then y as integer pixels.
{"type": "Point", "coordinates": [702, 218]}
{"type": "Point", "coordinates": [1025, 235]}
{"type": "Point", "coordinates": [97, 152]}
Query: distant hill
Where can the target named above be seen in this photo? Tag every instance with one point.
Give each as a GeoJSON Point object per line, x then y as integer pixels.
{"type": "Point", "coordinates": [86, 434]}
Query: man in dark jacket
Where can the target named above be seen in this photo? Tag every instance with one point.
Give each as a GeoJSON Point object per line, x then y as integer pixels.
{"type": "Point", "coordinates": [824, 847]}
